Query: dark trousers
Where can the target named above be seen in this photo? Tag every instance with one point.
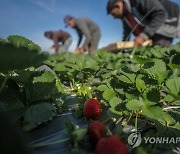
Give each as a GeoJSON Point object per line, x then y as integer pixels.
{"type": "Point", "coordinates": [93, 45]}
{"type": "Point", "coordinates": [162, 40]}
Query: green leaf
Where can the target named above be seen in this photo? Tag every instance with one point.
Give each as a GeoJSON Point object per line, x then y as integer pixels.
{"type": "Point", "coordinates": [127, 76]}
{"type": "Point", "coordinates": [78, 109]}
{"type": "Point", "coordinates": [148, 65]}
{"type": "Point", "coordinates": [176, 59]}
{"type": "Point", "coordinates": [39, 113]}
{"type": "Point", "coordinates": [156, 69]}
{"type": "Point", "coordinates": [168, 98]}
{"type": "Point", "coordinates": [10, 99]}
{"type": "Point", "coordinates": [106, 75]}
{"type": "Point", "coordinates": [140, 84]}
{"type": "Point", "coordinates": [90, 63]}
{"type": "Point", "coordinates": [152, 94]}
{"type": "Point", "coordinates": [109, 94]}
{"type": "Point", "coordinates": [173, 66]}
{"type": "Point", "coordinates": [19, 53]}
{"type": "Point", "coordinates": [80, 63]}
{"type": "Point", "coordinates": [45, 77]}
{"type": "Point", "coordinates": [48, 63]}
{"type": "Point", "coordinates": [149, 103]}
{"type": "Point", "coordinates": [173, 86]}
{"type": "Point", "coordinates": [76, 150]}
{"type": "Point", "coordinates": [39, 91]}
{"type": "Point", "coordinates": [134, 104]}
{"type": "Point", "coordinates": [157, 113]}
{"type": "Point", "coordinates": [176, 126]}
{"type": "Point", "coordinates": [102, 87]}
{"type": "Point", "coordinates": [141, 150]}
{"type": "Point", "coordinates": [120, 91]}
{"type": "Point", "coordinates": [176, 102]}
{"type": "Point", "coordinates": [24, 76]}
{"type": "Point", "coordinates": [158, 54]}
{"type": "Point", "coordinates": [10, 105]}
{"type": "Point", "coordinates": [60, 67]}
{"type": "Point", "coordinates": [175, 73]}
{"type": "Point", "coordinates": [152, 112]}
{"type": "Point", "coordinates": [115, 101]}
{"type": "Point", "coordinates": [19, 41]}
{"type": "Point", "coordinates": [125, 79]}
{"type": "Point", "coordinates": [113, 113]}
{"type": "Point", "coordinates": [79, 134]}
{"type": "Point", "coordinates": [28, 127]}
{"type": "Point", "coordinates": [141, 59]}
{"type": "Point", "coordinates": [134, 67]}
{"type": "Point", "coordinates": [175, 62]}
{"type": "Point", "coordinates": [69, 126]}
{"type": "Point", "coordinates": [59, 86]}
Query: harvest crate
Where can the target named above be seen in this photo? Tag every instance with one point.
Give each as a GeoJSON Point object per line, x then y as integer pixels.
{"type": "Point", "coordinates": [118, 46]}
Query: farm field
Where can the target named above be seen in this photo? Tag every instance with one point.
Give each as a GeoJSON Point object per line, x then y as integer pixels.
{"type": "Point", "coordinates": [55, 99]}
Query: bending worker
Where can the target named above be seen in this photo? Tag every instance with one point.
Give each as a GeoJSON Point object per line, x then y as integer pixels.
{"type": "Point", "coordinates": [62, 40]}
{"type": "Point", "coordinates": [84, 27]}
{"type": "Point", "coordinates": [158, 20]}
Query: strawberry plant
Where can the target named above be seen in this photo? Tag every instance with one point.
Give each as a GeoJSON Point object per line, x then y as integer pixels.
{"type": "Point", "coordinates": [23, 88]}
{"type": "Point", "coordinates": [135, 91]}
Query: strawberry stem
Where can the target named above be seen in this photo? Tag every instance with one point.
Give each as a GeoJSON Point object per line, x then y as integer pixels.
{"type": "Point", "coordinates": [136, 121]}
{"type": "Point", "coordinates": [106, 120]}
{"type": "Point", "coordinates": [129, 118]}
{"type": "Point", "coordinates": [4, 82]}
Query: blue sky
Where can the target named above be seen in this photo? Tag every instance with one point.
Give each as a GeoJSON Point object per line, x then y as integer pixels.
{"type": "Point", "coordinates": [31, 18]}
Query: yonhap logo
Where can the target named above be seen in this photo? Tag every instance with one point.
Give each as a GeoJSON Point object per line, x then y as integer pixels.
{"type": "Point", "coordinates": [134, 139]}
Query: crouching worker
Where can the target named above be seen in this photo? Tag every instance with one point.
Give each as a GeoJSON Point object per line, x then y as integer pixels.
{"type": "Point", "coordinates": [158, 20]}
{"type": "Point", "coordinates": [84, 27]}
{"type": "Point", "coordinates": [62, 40]}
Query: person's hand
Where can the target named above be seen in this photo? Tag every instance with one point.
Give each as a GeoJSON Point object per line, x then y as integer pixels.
{"type": "Point", "coordinates": [138, 41]}
{"type": "Point", "coordinates": [81, 50]}
{"type": "Point", "coordinates": [53, 46]}
{"type": "Point", "coordinates": [78, 51]}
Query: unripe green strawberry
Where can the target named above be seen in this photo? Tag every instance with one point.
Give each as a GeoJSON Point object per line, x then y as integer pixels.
{"type": "Point", "coordinates": [111, 145]}
{"type": "Point", "coordinates": [96, 131]}
{"type": "Point", "coordinates": [92, 109]}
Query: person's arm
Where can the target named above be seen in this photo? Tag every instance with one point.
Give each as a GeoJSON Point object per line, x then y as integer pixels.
{"type": "Point", "coordinates": [79, 38]}
{"type": "Point", "coordinates": [156, 16]}
{"type": "Point", "coordinates": [126, 31]}
{"type": "Point", "coordinates": [155, 13]}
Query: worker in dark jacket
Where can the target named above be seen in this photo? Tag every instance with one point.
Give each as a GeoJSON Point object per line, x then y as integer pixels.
{"type": "Point", "coordinates": [158, 20]}
{"type": "Point", "coordinates": [62, 40]}
{"type": "Point", "coordinates": [85, 27]}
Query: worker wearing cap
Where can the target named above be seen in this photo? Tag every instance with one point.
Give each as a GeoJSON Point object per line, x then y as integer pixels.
{"type": "Point", "coordinates": [85, 27]}
{"type": "Point", "coordinates": [158, 20]}
{"type": "Point", "coordinates": [62, 40]}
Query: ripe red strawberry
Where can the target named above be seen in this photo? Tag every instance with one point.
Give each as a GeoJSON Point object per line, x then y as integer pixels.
{"type": "Point", "coordinates": [92, 109]}
{"type": "Point", "coordinates": [96, 131]}
{"type": "Point", "coordinates": [111, 145]}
